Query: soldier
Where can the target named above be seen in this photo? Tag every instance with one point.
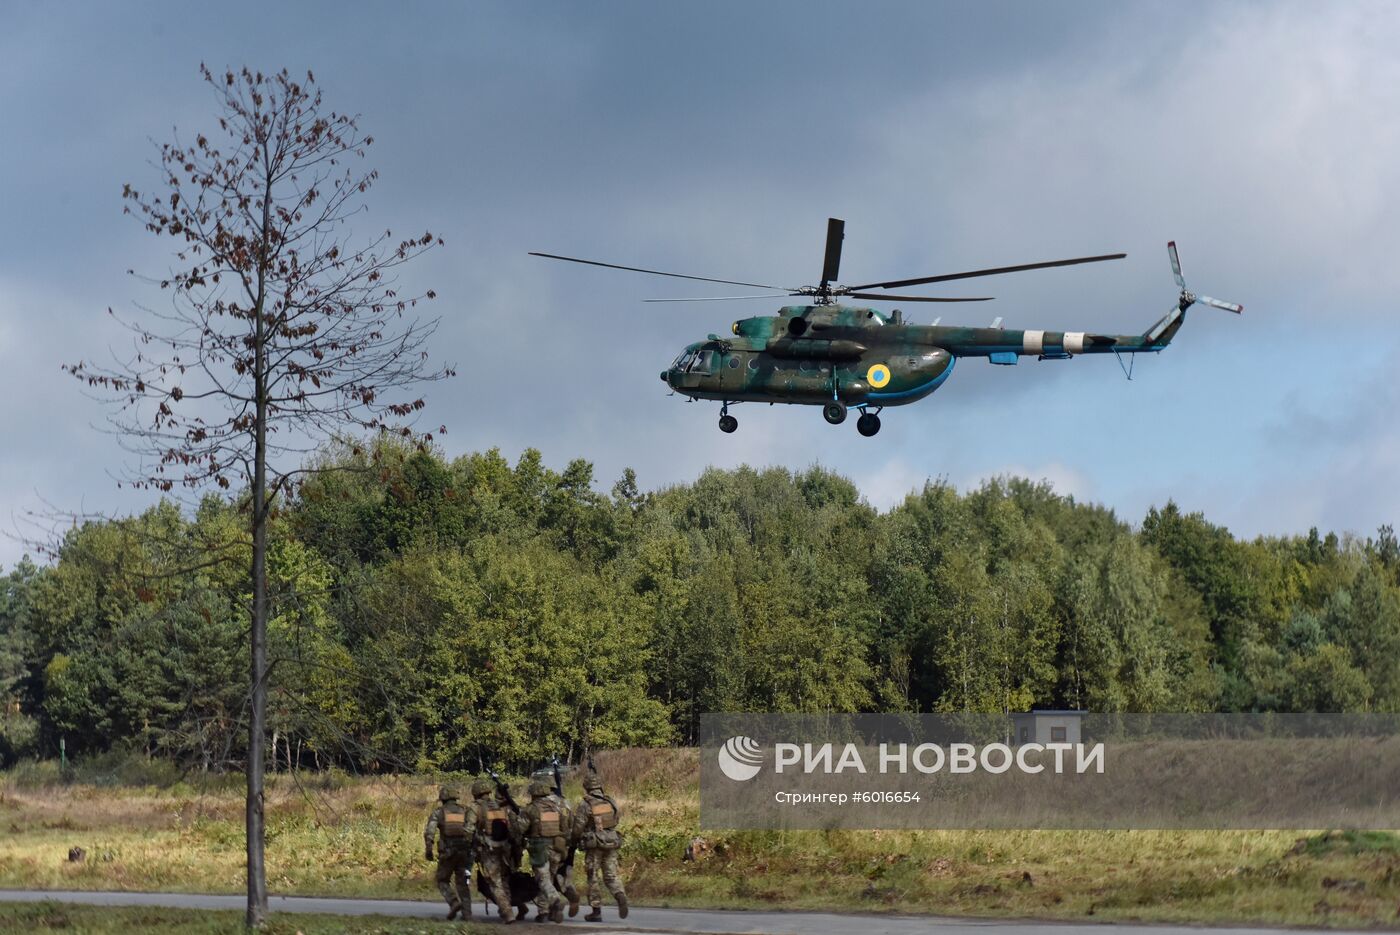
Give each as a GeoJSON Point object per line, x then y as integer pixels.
{"type": "Point", "coordinates": [595, 830]}
{"type": "Point", "coordinates": [504, 800]}
{"type": "Point", "coordinates": [449, 826]}
{"type": "Point", "coordinates": [542, 823]}
{"type": "Point", "coordinates": [494, 844]}
{"type": "Point", "coordinates": [561, 860]}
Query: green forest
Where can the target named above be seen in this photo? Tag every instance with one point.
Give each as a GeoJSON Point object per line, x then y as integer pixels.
{"type": "Point", "coordinates": [435, 614]}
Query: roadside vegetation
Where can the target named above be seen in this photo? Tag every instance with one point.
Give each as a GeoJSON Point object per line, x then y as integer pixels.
{"type": "Point", "coordinates": [331, 834]}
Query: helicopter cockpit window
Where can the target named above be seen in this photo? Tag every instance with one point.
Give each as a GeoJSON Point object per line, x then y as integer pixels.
{"type": "Point", "coordinates": [703, 362]}
{"type": "Point", "coordinates": [683, 361]}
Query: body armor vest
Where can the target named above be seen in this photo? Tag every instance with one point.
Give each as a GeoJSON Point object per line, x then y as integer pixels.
{"type": "Point", "coordinates": [547, 823]}
{"type": "Point", "coordinates": [604, 814]}
{"type": "Point", "coordinates": [454, 821]}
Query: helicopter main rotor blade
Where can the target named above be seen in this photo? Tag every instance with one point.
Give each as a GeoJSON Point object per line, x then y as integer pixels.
{"type": "Point", "coordinates": [997, 271]}
{"type": "Point", "coordinates": [654, 272]}
{"type": "Point", "coordinates": [831, 266]}
{"type": "Point", "coordinates": [724, 298]}
{"type": "Point", "coordinates": [883, 297]}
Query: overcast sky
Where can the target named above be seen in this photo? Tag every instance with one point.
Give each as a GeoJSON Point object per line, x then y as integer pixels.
{"type": "Point", "coordinates": [716, 138]}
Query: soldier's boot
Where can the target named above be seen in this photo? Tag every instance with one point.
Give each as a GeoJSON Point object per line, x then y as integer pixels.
{"type": "Point", "coordinates": [595, 916]}
{"type": "Point", "coordinates": [556, 911]}
{"type": "Point", "coordinates": [572, 895]}
{"type": "Point", "coordinates": [622, 905]}
{"type": "Point", "coordinates": [453, 909]}
{"type": "Point", "coordinates": [541, 915]}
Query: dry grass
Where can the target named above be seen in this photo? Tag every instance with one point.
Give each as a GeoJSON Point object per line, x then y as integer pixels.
{"type": "Point", "coordinates": [363, 838]}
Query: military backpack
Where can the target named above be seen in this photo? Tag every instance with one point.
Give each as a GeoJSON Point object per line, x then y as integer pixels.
{"type": "Point", "coordinates": [493, 822]}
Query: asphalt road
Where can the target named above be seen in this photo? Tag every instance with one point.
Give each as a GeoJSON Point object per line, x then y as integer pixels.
{"type": "Point", "coordinates": [641, 919]}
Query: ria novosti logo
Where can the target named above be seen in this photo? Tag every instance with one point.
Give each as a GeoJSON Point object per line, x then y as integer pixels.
{"type": "Point", "coordinates": [740, 758]}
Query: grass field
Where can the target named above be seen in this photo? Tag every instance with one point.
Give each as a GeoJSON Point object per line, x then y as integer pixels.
{"type": "Point", "coordinates": [97, 920]}
{"type": "Point", "coordinates": [329, 835]}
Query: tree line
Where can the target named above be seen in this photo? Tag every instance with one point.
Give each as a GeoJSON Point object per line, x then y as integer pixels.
{"type": "Point", "coordinates": [433, 614]}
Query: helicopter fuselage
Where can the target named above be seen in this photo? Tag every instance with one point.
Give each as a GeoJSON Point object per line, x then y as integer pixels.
{"type": "Point", "coordinates": [844, 357]}
{"type": "Point", "coordinates": [812, 355]}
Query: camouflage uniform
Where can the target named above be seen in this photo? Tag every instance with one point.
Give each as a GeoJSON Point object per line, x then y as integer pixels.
{"type": "Point", "coordinates": [542, 822]}
{"type": "Point", "coordinates": [595, 830]}
{"type": "Point", "coordinates": [451, 826]}
{"type": "Point", "coordinates": [517, 842]}
{"type": "Point", "coordinates": [561, 860]}
{"type": "Point", "coordinates": [494, 845]}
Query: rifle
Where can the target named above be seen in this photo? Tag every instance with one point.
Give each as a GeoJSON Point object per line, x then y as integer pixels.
{"type": "Point", "coordinates": [503, 790]}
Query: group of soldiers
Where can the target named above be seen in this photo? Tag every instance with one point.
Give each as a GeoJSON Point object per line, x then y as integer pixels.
{"type": "Point", "coordinates": [495, 833]}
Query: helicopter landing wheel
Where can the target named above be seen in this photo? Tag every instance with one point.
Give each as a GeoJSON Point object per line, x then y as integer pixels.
{"type": "Point", "coordinates": [834, 412]}
{"type": "Point", "coordinates": [727, 424]}
{"type": "Point", "coordinates": [868, 424]}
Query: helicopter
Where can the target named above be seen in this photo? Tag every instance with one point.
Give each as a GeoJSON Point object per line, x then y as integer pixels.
{"type": "Point", "coordinates": [842, 357]}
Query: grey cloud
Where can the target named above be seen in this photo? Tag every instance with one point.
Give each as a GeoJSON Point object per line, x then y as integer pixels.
{"type": "Point", "coordinates": [717, 138]}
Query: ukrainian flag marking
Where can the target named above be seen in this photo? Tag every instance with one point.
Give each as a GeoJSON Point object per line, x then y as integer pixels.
{"type": "Point", "coordinates": [878, 375]}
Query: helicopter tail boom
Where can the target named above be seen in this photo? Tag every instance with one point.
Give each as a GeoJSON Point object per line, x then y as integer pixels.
{"type": "Point", "coordinates": [1059, 345]}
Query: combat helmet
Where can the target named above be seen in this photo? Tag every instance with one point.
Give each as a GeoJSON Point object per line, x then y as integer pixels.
{"type": "Point", "coordinates": [539, 789]}
{"type": "Point", "coordinates": [447, 794]}
{"type": "Point", "coordinates": [592, 783]}
{"type": "Point", "coordinates": [481, 787]}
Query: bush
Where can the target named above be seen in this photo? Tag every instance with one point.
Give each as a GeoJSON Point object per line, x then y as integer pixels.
{"type": "Point", "coordinates": [18, 735]}
{"type": "Point", "coordinates": [125, 768]}
{"type": "Point", "coordinates": [32, 774]}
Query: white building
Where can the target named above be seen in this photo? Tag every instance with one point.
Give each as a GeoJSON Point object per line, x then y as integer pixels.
{"type": "Point", "coordinates": [1046, 727]}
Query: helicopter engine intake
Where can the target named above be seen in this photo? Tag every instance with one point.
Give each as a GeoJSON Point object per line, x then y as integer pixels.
{"type": "Point", "coordinates": [815, 349]}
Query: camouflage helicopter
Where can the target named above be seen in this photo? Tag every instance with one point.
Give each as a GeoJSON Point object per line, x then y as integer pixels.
{"type": "Point", "coordinates": [841, 357]}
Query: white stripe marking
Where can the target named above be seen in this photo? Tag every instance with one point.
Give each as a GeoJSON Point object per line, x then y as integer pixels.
{"type": "Point", "coordinates": [1033, 342]}
{"type": "Point", "coordinates": [1074, 342]}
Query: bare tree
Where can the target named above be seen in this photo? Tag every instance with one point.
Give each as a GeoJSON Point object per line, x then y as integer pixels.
{"type": "Point", "coordinates": [281, 333]}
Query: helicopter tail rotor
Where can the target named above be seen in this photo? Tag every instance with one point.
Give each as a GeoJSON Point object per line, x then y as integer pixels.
{"type": "Point", "coordinates": [1161, 334]}
{"type": "Point", "coordinates": [1189, 298]}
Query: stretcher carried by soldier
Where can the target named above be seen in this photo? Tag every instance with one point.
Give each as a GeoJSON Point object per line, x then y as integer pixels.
{"type": "Point", "coordinates": [546, 825]}
{"type": "Point", "coordinates": [521, 888]}
{"type": "Point", "coordinates": [564, 869]}
{"type": "Point", "coordinates": [495, 842]}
